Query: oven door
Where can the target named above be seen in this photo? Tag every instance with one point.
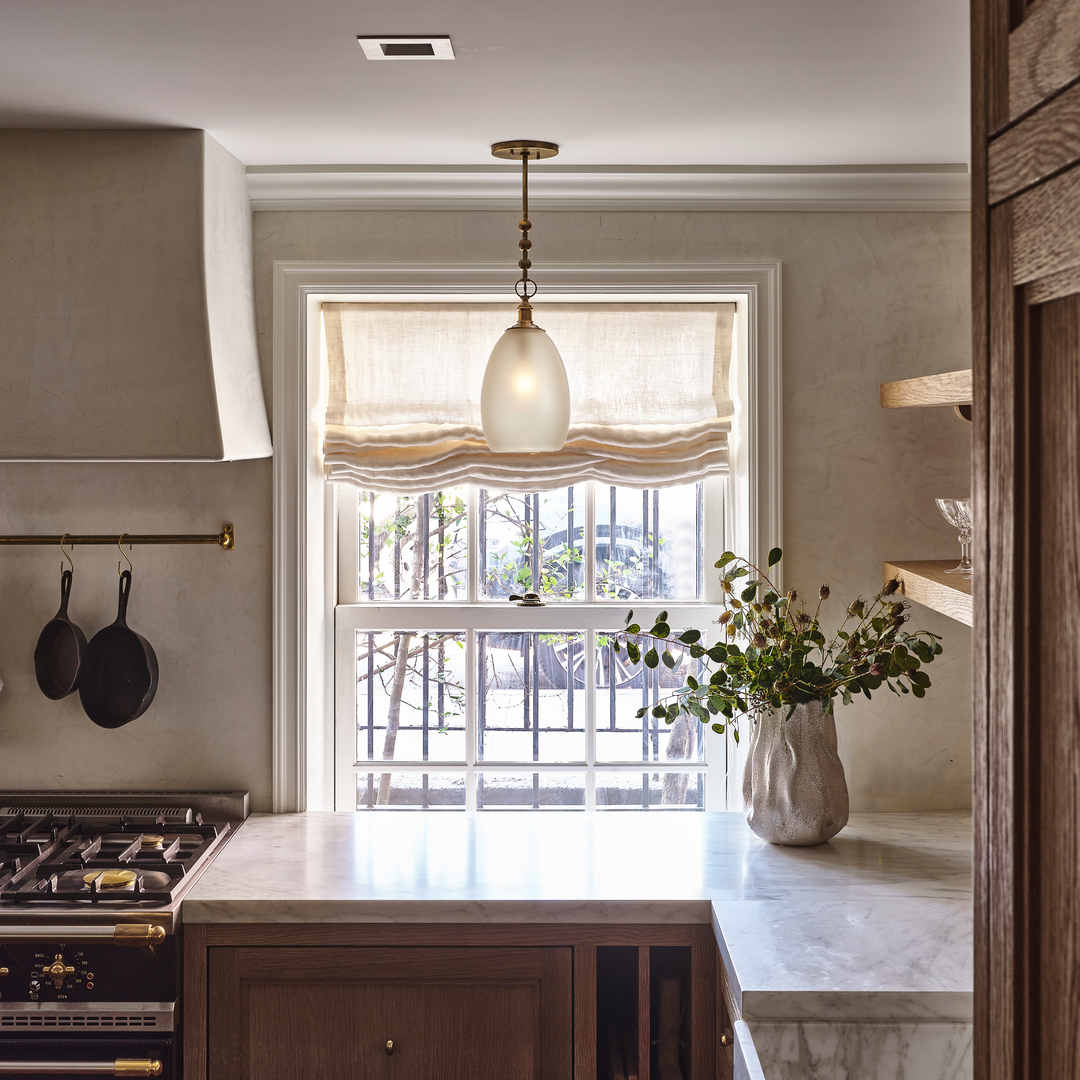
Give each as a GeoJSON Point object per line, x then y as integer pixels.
{"type": "Point", "coordinates": [88, 1055]}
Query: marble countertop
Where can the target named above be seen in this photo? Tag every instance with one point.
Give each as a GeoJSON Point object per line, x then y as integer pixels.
{"type": "Point", "coordinates": [637, 867]}
{"type": "Point", "coordinates": [880, 958]}
{"type": "Point", "coordinates": [875, 925]}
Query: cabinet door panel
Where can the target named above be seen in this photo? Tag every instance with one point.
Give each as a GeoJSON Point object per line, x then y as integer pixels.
{"type": "Point", "coordinates": [452, 1014]}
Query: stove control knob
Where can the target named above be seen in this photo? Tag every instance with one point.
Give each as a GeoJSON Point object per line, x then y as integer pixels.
{"type": "Point", "coordinates": [58, 971]}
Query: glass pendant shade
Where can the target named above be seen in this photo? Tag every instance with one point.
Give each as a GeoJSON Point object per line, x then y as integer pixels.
{"type": "Point", "coordinates": [525, 398]}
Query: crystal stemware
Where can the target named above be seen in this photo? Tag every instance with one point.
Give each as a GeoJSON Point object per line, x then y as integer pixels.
{"type": "Point", "coordinates": [957, 512]}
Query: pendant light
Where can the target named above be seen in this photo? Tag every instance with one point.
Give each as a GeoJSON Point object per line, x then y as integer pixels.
{"type": "Point", "coordinates": [525, 398]}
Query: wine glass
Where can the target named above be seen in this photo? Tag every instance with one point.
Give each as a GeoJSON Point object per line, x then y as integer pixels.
{"type": "Point", "coordinates": [957, 512]}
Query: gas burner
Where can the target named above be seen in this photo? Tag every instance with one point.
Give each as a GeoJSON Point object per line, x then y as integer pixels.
{"type": "Point", "coordinates": [100, 853]}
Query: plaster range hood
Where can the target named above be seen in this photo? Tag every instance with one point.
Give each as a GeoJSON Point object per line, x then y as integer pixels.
{"type": "Point", "coordinates": [127, 319]}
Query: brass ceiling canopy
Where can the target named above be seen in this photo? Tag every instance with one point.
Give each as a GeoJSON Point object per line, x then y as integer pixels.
{"type": "Point", "coordinates": [516, 149]}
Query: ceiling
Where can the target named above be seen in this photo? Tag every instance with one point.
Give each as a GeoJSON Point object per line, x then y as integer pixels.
{"type": "Point", "coordinates": [615, 82]}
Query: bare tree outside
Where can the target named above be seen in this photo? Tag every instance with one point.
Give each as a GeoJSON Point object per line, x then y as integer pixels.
{"type": "Point", "coordinates": [415, 548]}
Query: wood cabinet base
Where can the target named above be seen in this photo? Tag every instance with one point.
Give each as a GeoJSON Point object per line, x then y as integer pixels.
{"type": "Point", "coordinates": [428, 1002]}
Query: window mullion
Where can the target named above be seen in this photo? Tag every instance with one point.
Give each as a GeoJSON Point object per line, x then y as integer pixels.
{"type": "Point", "coordinates": [472, 542]}
{"type": "Point", "coordinates": [472, 689]}
{"type": "Point", "coordinates": [588, 548]}
{"type": "Point", "coordinates": [590, 719]}
{"type": "Point", "coordinates": [588, 554]}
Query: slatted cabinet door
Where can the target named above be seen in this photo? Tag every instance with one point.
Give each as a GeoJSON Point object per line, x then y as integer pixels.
{"type": "Point", "coordinates": [390, 1014]}
{"type": "Point", "coordinates": [1026, 275]}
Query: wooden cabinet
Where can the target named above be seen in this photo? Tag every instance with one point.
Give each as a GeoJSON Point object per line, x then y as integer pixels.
{"type": "Point", "coordinates": [408, 1013]}
{"type": "Point", "coordinates": [535, 1002]}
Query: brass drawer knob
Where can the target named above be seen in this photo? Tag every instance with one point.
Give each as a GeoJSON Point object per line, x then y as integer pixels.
{"type": "Point", "coordinates": [389, 1046]}
{"type": "Point", "coordinates": [726, 1039]}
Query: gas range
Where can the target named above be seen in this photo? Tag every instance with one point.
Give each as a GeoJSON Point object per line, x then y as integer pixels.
{"type": "Point", "coordinates": [101, 859]}
{"type": "Point", "coordinates": [91, 885]}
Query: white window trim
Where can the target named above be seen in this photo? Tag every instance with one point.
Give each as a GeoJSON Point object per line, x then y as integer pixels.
{"type": "Point", "coordinates": [304, 535]}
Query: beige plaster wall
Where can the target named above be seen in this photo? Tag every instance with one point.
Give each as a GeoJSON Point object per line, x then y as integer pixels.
{"type": "Point", "coordinates": [867, 297]}
{"type": "Point", "coordinates": [205, 611]}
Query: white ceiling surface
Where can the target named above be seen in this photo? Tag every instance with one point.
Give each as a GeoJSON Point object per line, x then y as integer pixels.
{"type": "Point", "coordinates": [645, 82]}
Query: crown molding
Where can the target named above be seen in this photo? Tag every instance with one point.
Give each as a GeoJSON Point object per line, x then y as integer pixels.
{"type": "Point", "coordinates": [610, 187]}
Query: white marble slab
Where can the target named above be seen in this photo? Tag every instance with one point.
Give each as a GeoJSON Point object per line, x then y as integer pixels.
{"type": "Point", "coordinates": [630, 866]}
{"type": "Point", "coordinates": [887, 958]}
{"type": "Point", "coordinates": [747, 1064]}
{"type": "Point", "coordinates": [875, 1051]}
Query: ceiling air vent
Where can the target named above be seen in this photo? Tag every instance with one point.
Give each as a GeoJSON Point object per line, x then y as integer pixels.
{"type": "Point", "coordinates": [430, 47]}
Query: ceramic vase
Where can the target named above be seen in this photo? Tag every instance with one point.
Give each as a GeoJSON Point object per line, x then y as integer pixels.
{"type": "Point", "coordinates": [794, 789]}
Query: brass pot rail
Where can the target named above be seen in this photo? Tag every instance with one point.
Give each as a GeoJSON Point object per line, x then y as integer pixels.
{"type": "Point", "coordinates": [225, 539]}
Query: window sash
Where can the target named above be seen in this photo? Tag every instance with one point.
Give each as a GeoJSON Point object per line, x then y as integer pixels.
{"type": "Point", "coordinates": [590, 616]}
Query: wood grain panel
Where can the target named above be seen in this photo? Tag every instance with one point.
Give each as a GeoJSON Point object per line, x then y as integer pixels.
{"type": "Point", "coordinates": [402, 964]}
{"type": "Point", "coordinates": [725, 1026]}
{"type": "Point", "coordinates": [1044, 53]}
{"type": "Point", "coordinates": [1056, 699]}
{"type": "Point", "coordinates": [1046, 228]}
{"type": "Point", "coordinates": [927, 583]}
{"type": "Point", "coordinates": [328, 1029]}
{"type": "Point", "coordinates": [998, 638]}
{"type": "Point", "coordinates": [730, 1001]}
{"type": "Point", "coordinates": [1054, 287]}
{"type": "Point", "coordinates": [948, 388]}
{"type": "Point", "coordinates": [449, 934]}
{"type": "Point", "coordinates": [469, 1014]}
{"type": "Point", "coordinates": [980, 124]}
{"type": "Point", "coordinates": [705, 958]}
{"type": "Point", "coordinates": [556, 1012]}
{"type": "Point", "coordinates": [991, 22]}
{"type": "Point", "coordinates": [644, 1026]}
{"type": "Point", "coordinates": [585, 1012]}
{"type": "Point", "coordinates": [193, 1015]}
{"type": "Point", "coordinates": [1042, 144]}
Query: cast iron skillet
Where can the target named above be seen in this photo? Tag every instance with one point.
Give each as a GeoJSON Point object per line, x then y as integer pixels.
{"type": "Point", "coordinates": [122, 673]}
{"type": "Point", "coordinates": [60, 657]}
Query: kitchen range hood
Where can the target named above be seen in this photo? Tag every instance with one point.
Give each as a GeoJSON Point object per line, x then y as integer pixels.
{"type": "Point", "coordinates": [127, 321]}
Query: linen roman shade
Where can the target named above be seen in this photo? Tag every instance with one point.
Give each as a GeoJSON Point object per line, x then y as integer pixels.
{"type": "Point", "coordinates": [648, 391]}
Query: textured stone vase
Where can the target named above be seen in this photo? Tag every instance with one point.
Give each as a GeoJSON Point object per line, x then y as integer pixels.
{"type": "Point", "coordinates": [794, 790]}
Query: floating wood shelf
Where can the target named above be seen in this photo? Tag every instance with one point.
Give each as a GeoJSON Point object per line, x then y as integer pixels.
{"type": "Point", "coordinates": [948, 388]}
{"type": "Point", "coordinates": [927, 583]}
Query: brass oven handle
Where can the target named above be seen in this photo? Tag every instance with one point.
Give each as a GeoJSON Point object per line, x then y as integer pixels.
{"type": "Point", "coordinates": [121, 934]}
{"type": "Point", "coordinates": [119, 1067]}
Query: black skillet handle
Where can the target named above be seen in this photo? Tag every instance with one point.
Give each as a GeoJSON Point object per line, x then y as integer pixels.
{"type": "Point", "coordinates": [121, 608]}
{"type": "Point", "coordinates": [65, 592]}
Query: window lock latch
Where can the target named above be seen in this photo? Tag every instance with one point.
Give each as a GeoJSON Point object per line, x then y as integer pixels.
{"type": "Point", "coordinates": [530, 599]}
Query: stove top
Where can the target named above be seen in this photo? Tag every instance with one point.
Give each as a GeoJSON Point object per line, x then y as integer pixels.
{"type": "Point", "coordinates": [102, 857]}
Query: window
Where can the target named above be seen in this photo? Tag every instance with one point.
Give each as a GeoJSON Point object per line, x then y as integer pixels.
{"type": "Point", "coordinates": [481, 703]}
{"type": "Point", "coordinates": [305, 759]}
